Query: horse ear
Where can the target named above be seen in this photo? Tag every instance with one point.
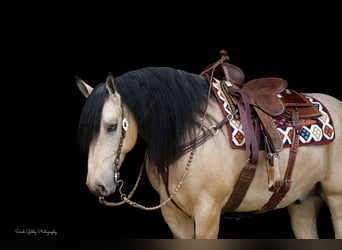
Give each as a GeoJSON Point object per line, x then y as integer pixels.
{"type": "Point", "coordinates": [110, 83]}
{"type": "Point", "coordinates": [83, 87]}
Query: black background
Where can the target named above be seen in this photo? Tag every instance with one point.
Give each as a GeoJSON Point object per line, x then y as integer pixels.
{"type": "Point", "coordinates": [43, 178]}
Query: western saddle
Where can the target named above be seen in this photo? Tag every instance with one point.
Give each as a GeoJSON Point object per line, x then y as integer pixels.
{"type": "Point", "coordinates": [256, 103]}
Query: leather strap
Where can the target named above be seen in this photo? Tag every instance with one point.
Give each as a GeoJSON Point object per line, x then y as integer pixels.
{"type": "Point", "coordinates": [241, 187]}
{"type": "Point", "coordinates": [242, 100]}
{"type": "Point", "coordinates": [279, 194]}
{"type": "Point", "coordinates": [186, 148]}
{"type": "Point", "coordinates": [249, 129]}
{"type": "Point", "coordinates": [252, 141]}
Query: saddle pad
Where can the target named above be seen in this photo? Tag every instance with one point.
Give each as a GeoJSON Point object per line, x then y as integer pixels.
{"type": "Point", "coordinates": [317, 131]}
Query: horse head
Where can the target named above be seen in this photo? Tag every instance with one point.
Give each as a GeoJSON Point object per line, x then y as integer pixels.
{"type": "Point", "coordinates": [110, 138]}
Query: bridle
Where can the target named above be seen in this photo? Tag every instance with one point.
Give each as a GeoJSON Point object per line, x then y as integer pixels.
{"type": "Point", "coordinates": [115, 166]}
{"type": "Point", "coordinates": [124, 128]}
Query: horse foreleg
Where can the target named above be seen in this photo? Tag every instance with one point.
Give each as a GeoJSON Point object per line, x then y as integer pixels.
{"type": "Point", "coordinates": [332, 192]}
{"type": "Point", "coordinates": [304, 217]}
{"type": "Point", "coordinates": [207, 221]}
{"type": "Point", "coordinates": [335, 204]}
{"type": "Point", "coordinates": [180, 224]}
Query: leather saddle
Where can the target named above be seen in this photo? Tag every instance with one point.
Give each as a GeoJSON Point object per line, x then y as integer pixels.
{"type": "Point", "coordinates": [272, 96]}
{"type": "Point", "coordinates": [265, 94]}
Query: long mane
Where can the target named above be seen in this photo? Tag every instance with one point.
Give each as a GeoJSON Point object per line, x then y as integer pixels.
{"type": "Point", "coordinates": [165, 102]}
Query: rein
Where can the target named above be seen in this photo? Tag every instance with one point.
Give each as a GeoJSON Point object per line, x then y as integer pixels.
{"type": "Point", "coordinates": [126, 199]}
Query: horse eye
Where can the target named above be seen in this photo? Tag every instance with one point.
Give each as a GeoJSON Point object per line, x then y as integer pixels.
{"type": "Point", "coordinates": [112, 127]}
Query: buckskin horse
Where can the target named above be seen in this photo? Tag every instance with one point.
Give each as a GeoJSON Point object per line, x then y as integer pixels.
{"type": "Point", "coordinates": [215, 145]}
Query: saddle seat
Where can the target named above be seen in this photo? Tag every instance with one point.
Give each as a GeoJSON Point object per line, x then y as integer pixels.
{"type": "Point", "coordinates": [271, 95]}
{"type": "Point", "coordinates": [264, 93]}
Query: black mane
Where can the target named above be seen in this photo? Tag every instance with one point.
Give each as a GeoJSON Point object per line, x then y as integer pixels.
{"type": "Point", "coordinates": [90, 118]}
{"type": "Point", "coordinates": [165, 103]}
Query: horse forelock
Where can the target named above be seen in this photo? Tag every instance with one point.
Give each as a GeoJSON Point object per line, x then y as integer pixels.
{"type": "Point", "coordinates": [90, 117]}
{"type": "Point", "coordinates": [165, 103]}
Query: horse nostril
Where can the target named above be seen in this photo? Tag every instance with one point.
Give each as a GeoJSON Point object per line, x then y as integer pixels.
{"type": "Point", "coordinates": [101, 189]}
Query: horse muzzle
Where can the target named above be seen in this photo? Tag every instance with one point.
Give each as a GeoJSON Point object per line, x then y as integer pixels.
{"type": "Point", "coordinates": [103, 187]}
